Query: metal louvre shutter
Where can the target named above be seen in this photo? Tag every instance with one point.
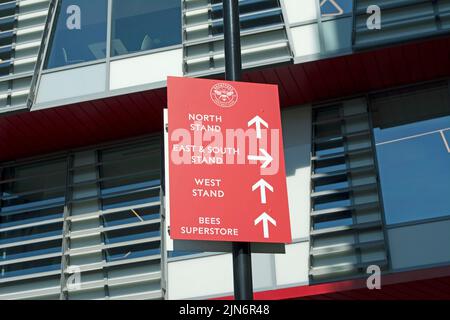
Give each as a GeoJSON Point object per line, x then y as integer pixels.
{"type": "Point", "coordinates": [95, 212]}
{"type": "Point", "coordinates": [401, 21]}
{"type": "Point", "coordinates": [113, 227]}
{"type": "Point", "coordinates": [31, 219]}
{"type": "Point", "coordinates": [263, 35]}
{"type": "Point", "coordinates": [346, 218]}
{"type": "Point", "coordinates": [22, 25]}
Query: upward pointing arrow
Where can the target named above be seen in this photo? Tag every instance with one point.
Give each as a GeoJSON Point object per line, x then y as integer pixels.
{"type": "Point", "coordinates": [262, 184]}
{"type": "Point", "coordinates": [265, 218]}
{"type": "Point", "coordinates": [257, 121]}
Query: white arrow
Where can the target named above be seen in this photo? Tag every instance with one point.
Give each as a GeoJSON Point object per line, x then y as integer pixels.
{"type": "Point", "coordinates": [262, 184]}
{"type": "Point", "coordinates": [265, 218]}
{"type": "Point", "coordinates": [267, 158]}
{"type": "Point", "coordinates": [257, 121]}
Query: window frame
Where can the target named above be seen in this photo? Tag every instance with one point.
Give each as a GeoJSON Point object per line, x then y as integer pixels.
{"type": "Point", "coordinates": [51, 37]}
{"type": "Point", "coordinates": [409, 89]}
{"type": "Point", "coordinates": [109, 58]}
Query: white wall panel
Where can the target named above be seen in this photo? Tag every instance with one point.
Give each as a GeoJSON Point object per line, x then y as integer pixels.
{"type": "Point", "coordinates": [146, 69]}
{"type": "Point", "coordinates": [420, 245]}
{"type": "Point", "coordinates": [263, 271]}
{"type": "Point", "coordinates": [293, 267]}
{"type": "Point", "coordinates": [207, 276]}
{"type": "Point", "coordinates": [72, 83]}
{"type": "Point", "coordinates": [306, 40]}
{"type": "Point", "coordinates": [297, 148]}
{"type": "Point", "coordinates": [30, 288]}
{"type": "Point", "coordinates": [299, 11]}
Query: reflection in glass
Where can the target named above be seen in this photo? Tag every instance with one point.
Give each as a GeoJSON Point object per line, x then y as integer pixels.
{"type": "Point", "coordinates": [80, 33]}
{"type": "Point", "coordinates": [133, 251]}
{"type": "Point", "coordinates": [38, 266]}
{"type": "Point", "coordinates": [335, 8]}
{"type": "Point", "coordinates": [140, 25]}
{"type": "Point", "coordinates": [413, 160]}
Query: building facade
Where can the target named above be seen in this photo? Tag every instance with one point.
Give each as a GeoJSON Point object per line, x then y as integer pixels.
{"type": "Point", "coordinates": [365, 102]}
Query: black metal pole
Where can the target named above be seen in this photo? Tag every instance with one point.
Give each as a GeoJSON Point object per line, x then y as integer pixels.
{"type": "Point", "coordinates": [232, 33]}
{"type": "Point", "coordinates": [242, 259]}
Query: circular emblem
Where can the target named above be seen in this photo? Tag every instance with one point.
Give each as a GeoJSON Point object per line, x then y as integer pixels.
{"type": "Point", "coordinates": [224, 95]}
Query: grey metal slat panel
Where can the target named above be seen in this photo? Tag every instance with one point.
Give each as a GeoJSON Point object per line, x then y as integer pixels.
{"type": "Point", "coordinates": [85, 286]}
{"type": "Point", "coordinates": [321, 194]}
{"type": "Point", "coordinates": [140, 296]}
{"type": "Point", "coordinates": [132, 261]}
{"type": "Point", "coordinates": [89, 232]}
{"type": "Point", "coordinates": [33, 241]}
{"type": "Point", "coordinates": [134, 278]}
{"type": "Point", "coordinates": [103, 264]}
{"type": "Point", "coordinates": [243, 34]}
{"type": "Point", "coordinates": [30, 22]}
{"type": "Point", "coordinates": [221, 51]}
{"type": "Point", "coordinates": [40, 293]}
{"type": "Point", "coordinates": [343, 154]}
{"type": "Point", "coordinates": [97, 214]}
{"type": "Point", "coordinates": [318, 271]}
{"type": "Point", "coordinates": [210, 22]}
{"type": "Point", "coordinates": [132, 242]}
{"type": "Point", "coordinates": [32, 258]}
{"type": "Point", "coordinates": [365, 206]}
{"type": "Point", "coordinates": [112, 195]}
{"type": "Point", "coordinates": [30, 276]}
{"type": "Point", "coordinates": [340, 119]}
{"type": "Point", "coordinates": [343, 137]}
{"type": "Point", "coordinates": [34, 224]}
{"type": "Point", "coordinates": [203, 7]}
{"type": "Point", "coordinates": [96, 248]}
{"type": "Point", "coordinates": [339, 248]}
{"type": "Point", "coordinates": [16, 76]}
{"type": "Point", "coordinates": [343, 229]}
{"type": "Point", "coordinates": [260, 63]}
{"type": "Point", "coordinates": [203, 49]}
{"type": "Point", "coordinates": [330, 175]}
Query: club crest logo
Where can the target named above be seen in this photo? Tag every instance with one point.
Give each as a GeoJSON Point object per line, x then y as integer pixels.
{"type": "Point", "coordinates": [224, 95]}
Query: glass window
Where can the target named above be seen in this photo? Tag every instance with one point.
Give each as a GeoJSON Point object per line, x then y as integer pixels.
{"type": "Point", "coordinates": [335, 8]}
{"type": "Point", "coordinates": [30, 250]}
{"type": "Point", "coordinates": [26, 268]}
{"type": "Point", "coordinates": [140, 25]}
{"type": "Point", "coordinates": [411, 134]}
{"type": "Point", "coordinates": [32, 193]}
{"type": "Point", "coordinates": [133, 251]}
{"type": "Point", "coordinates": [130, 176]}
{"type": "Point", "coordinates": [132, 216]}
{"type": "Point", "coordinates": [80, 33]}
{"type": "Point", "coordinates": [134, 233]}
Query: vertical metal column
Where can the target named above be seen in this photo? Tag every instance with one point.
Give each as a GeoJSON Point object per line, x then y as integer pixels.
{"type": "Point", "coordinates": [242, 259]}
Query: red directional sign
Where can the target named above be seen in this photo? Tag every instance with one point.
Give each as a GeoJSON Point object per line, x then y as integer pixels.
{"type": "Point", "coordinates": [226, 165]}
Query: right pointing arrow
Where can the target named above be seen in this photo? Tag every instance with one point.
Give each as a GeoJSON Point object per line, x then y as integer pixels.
{"type": "Point", "coordinates": [266, 157]}
{"type": "Point", "coordinates": [265, 218]}
{"type": "Point", "coordinates": [262, 184]}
